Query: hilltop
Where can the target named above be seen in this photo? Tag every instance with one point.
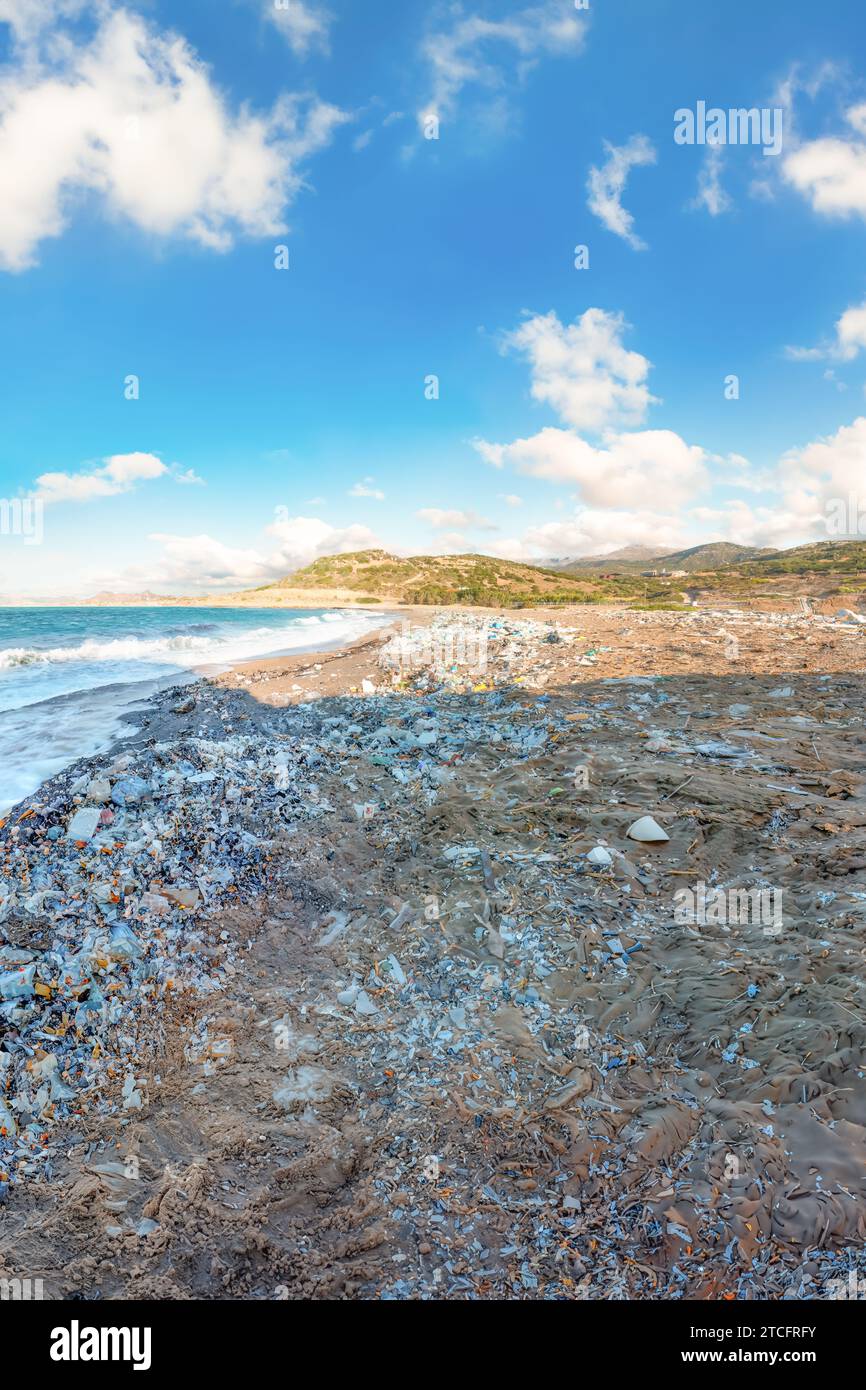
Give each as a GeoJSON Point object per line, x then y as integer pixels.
{"type": "Point", "coordinates": [819, 557]}
{"type": "Point", "coordinates": [697, 559]}
{"type": "Point", "coordinates": [373, 576]}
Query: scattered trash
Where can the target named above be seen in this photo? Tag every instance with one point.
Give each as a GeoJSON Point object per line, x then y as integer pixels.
{"type": "Point", "coordinates": [486, 1029]}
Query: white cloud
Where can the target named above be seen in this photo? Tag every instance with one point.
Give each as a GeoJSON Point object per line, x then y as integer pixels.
{"type": "Point", "coordinates": [582, 369]}
{"type": "Point", "coordinates": [850, 337]}
{"type": "Point", "coordinates": [304, 24]}
{"type": "Point", "coordinates": [510, 499]}
{"type": "Point", "coordinates": [441, 519]}
{"type": "Point", "coordinates": [202, 563]}
{"type": "Point", "coordinates": [831, 172]}
{"type": "Point", "coordinates": [131, 116]}
{"type": "Point", "coordinates": [607, 185]}
{"type": "Point", "coordinates": [302, 539]}
{"type": "Point", "coordinates": [365, 489]}
{"type": "Point", "coordinates": [634, 468]}
{"type": "Point", "coordinates": [482, 52]}
{"type": "Point", "coordinates": [711, 195]}
{"type": "Point", "coordinates": [646, 486]}
{"type": "Point", "coordinates": [826, 470]}
{"type": "Point", "coordinates": [119, 473]}
{"type": "Point", "coordinates": [593, 532]}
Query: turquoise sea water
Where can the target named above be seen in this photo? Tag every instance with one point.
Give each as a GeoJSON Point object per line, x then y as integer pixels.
{"type": "Point", "coordinates": [67, 674]}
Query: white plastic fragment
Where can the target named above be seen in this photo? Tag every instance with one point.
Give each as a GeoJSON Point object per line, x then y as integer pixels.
{"type": "Point", "coordinates": [647, 830]}
{"type": "Point", "coordinates": [600, 856]}
{"type": "Point", "coordinates": [83, 824]}
{"type": "Point", "coordinates": [131, 1097]}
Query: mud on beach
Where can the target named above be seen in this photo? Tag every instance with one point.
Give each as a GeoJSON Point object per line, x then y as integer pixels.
{"type": "Point", "coordinates": [334, 1004]}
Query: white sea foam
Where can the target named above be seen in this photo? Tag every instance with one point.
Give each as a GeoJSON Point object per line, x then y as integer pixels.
{"type": "Point", "coordinates": [62, 701]}
{"type": "Point", "coordinates": [190, 648]}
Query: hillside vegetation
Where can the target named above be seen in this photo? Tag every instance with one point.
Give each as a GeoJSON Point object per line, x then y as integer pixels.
{"type": "Point", "coordinates": [374, 575]}
{"type": "Point", "coordinates": [697, 559]}
{"type": "Point", "coordinates": [826, 569]}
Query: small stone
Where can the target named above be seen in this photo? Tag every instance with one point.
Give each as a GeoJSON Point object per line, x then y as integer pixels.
{"type": "Point", "coordinates": [130, 791]}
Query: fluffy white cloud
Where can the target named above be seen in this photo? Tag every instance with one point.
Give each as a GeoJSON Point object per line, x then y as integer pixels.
{"type": "Point", "coordinates": [118, 474]}
{"type": "Point", "coordinates": [593, 532]}
{"type": "Point", "coordinates": [510, 499]}
{"type": "Point", "coordinates": [825, 472]}
{"type": "Point", "coordinates": [639, 486]}
{"type": "Point", "coordinates": [483, 51]}
{"type": "Point", "coordinates": [131, 115]}
{"type": "Point", "coordinates": [607, 185]}
{"type": "Point", "coordinates": [811, 487]}
{"type": "Point", "coordinates": [582, 369]}
{"type": "Point", "coordinates": [302, 539]}
{"type": "Point", "coordinates": [304, 24]}
{"type": "Point", "coordinates": [202, 563]}
{"type": "Point", "coordinates": [635, 468]}
{"type": "Point", "coordinates": [831, 172]}
{"type": "Point", "coordinates": [745, 524]}
{"type": "Point", "coordinates": [441, 519]}
{"type": "Point", "coordinates": [850, 337]}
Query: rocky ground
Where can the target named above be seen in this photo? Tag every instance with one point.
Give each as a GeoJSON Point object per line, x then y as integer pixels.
{"type": "Point", "coordinates": [359, 986]}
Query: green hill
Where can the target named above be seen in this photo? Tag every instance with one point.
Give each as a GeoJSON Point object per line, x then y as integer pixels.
{"type": "Point", "coordinates": [712, 556]}
{"type": "Point", "coordinates": [821, 557]}
{"type": "Point", "coordinates": [375, 575]}
{"type": "Point", "coordinates": [698, 558]}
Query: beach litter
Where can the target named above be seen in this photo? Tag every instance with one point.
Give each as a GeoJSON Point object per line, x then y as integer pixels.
{"type": "Point", "coordinates": [464, 1030]}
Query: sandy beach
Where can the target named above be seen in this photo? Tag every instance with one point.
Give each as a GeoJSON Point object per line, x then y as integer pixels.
{"type": "Point", "coordinates": [360, 988]}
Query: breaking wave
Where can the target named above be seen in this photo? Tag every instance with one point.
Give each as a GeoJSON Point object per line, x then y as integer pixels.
{"type": "Point", "coordinates": [196, 646]}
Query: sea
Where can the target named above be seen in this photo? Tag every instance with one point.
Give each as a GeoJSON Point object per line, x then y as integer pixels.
{"type": "Point", "coordinates": [68, 676]}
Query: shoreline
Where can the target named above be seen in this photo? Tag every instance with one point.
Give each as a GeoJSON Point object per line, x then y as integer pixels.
{"type": "Point", "coordinates": [73, 718]}
{"type": "Point", "coordinates": [366, 992]}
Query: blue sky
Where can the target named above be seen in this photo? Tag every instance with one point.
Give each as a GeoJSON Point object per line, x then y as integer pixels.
{"type": "Point", "coordinates": [153, 156]}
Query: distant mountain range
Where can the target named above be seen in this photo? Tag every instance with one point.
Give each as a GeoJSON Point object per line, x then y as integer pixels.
{"type": "Point", "coordinates": [629, 558]}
